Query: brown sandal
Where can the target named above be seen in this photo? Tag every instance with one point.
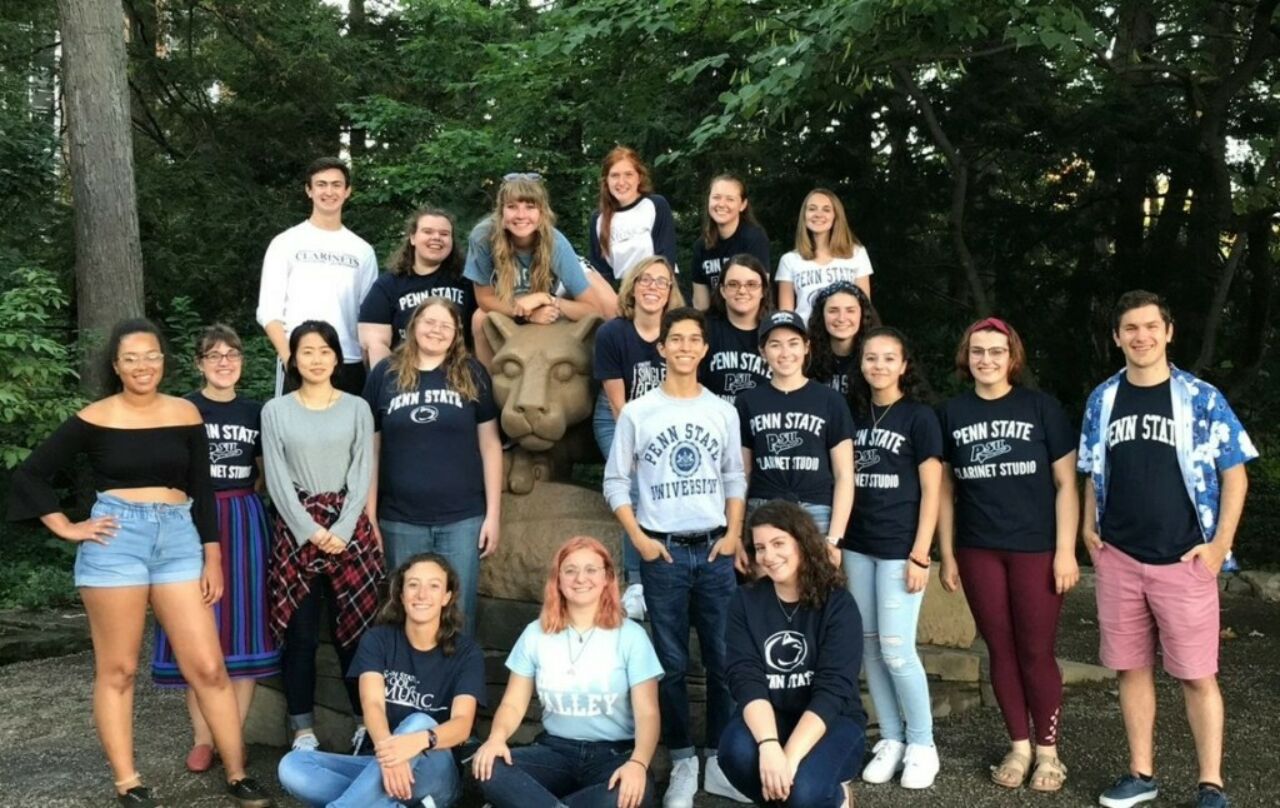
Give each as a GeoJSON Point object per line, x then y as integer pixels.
{"type": "Point", "coordinates": [1050, 774]}
{"type": "Point", "coordinates": [850, 798]}
{"type": "Point", "coordinates": [1012, 771]}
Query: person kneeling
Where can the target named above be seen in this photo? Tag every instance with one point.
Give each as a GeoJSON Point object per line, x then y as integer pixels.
{"type": "Point", "coordinates": [420, 681]}
{"type": "Point", "coordinates": [795, 647]}
{"type": "Point", "coordinates": [597, 676]}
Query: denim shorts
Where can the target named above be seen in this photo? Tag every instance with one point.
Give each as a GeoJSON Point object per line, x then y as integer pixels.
{"type": "Point", "coordinates": [155, 543]}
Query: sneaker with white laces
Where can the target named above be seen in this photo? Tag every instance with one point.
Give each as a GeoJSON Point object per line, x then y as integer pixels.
{"type": "Point", "coordinates": [633, 602]}
{"type": "Point", "coordinates": [919, 765]}
{"type": "Point", "coordinates": [358, 739]}
{"type": "Point", "coordinates": [714, 782]}
{"type": "Point", "coordinates": [306, 742]}
{"type": "Point", "coordinates": [683, 784]}
{"type": "Point", "coordinates": [886, 761]}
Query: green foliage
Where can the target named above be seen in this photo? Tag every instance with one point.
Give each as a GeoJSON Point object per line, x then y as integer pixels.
{"type": "Point", "coordinates": [37, 570]}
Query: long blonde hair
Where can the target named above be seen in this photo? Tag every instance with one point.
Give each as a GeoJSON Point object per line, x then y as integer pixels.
{"type": "Point", "coordinates": [457, 360]}
{"type": "Point", "coordinates": [841, 243]}
{"type": "Point", "coordinates": [522, 188]}
{"type": "Point", "coordinates": [627, 294]}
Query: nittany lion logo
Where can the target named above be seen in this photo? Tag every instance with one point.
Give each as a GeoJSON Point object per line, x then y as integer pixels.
{"type": "Point", "coordinates": [783, 441]}
{"type": "Point", "coordinates": [735, 383]}
{"type": "Point", "coordinates": [983, 452]}
{"type": "Point", "coordinates": [786, 651]}
{"type": "Point", "coordinates": [424, 415]}
{"type": "Point", "coordinates": [685, 459]}
{"type": "Point", "coordinates": [224, 451]}
{"type": "Point", "coordinates": [866, 458]}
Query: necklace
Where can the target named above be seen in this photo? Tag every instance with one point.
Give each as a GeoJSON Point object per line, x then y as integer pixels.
{"type": "Point", "coordinates": [583, 639]}
{"type": "Point", "coordinates": [875, 422]}
{"type": "Point", "coordinates": [783, 609]}
{"type": "Point", "coordinates": [333, 395]}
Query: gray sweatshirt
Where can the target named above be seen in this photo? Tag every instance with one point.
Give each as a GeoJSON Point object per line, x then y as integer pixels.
{"type": "Point", "coordinates": [686, 456]}
{"type": "Point", "coordinates": [318, 451]}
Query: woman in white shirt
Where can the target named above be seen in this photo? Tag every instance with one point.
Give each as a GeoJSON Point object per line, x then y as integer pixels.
{"type": "Point", "coordinates": [826, 251]}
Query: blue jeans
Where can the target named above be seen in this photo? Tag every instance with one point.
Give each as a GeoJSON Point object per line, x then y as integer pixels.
{"type": "Point", "coordinates": [821, 513]}
{"type": "Point", "coordinates": [557, 771]}
{"type": "Point", "coordinates": [895, 676]}
{"type": "Point", "coordinates": [603, 425]}
{"type": "Point", "coordinates": [156, 543]}
{"type": "Point", "coordinates": [351, 781]}
{"type": "Point", "coordinates": [458, 542]}
{"type": "Point", "coordinates": [690, 587]}
{"type": "Point", "coordinates": [835, 758]}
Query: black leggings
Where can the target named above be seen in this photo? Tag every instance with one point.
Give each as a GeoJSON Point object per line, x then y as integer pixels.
{"type": "Point", "coordinates": [298, 658]}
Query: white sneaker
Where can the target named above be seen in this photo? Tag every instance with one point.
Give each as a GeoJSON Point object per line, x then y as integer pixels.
{"type": "Point", "coordinates": [714, 782]}
{"type": "Point", "coordinates": [306, 742]}
{"type": "Point", "coordinates": [633, 602]}
{"type": "Point", "coordinates": [357, 738]}
{"type": "Point", "coordinates": [919, 765]}
{"type": "Point", "coordinates": [886, 763]}
{"type": "Point", "coordinates": [683, 784]}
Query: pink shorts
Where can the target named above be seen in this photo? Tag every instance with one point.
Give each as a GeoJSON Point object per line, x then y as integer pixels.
{"type": "Point", "coordinates": [1137, 602]}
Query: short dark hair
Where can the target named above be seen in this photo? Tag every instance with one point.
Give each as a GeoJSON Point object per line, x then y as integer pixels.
{"type": "Point", "coordinates": [1136, 299]}
{"type": "Point", "coordinates": [680, 315]}
{"type": "Point", "coordinates": [818, 576]}
{"type": "Point", "coordinates": [213, 334]}
{"type": "Point", "coordinates": [746, 261]}
{"type": "Point", "coordinates": [122, 329]}
{"type": "Point", "coordinates": [326, 163]}
{"type": "Point", "coordinates": [451, 619]}
{"type": "Point", "coordinates": [327, 332]}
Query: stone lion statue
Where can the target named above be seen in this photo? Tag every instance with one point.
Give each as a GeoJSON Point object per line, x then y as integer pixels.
{"type": "Point", "coordinates": [542, 381]}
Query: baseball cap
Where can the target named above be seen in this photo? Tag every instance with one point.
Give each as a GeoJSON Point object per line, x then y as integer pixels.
{"type": "Point", "coordinates": [782, 319]}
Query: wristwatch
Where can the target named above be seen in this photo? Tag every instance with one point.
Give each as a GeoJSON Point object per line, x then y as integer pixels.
{"type": "Point", "coordinates": [432, 741]}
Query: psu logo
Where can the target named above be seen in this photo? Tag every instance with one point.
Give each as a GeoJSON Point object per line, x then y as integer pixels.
{"type": "Point", "coordinates": [983, 452]}
{"type": "Point", "coordinates": [223, 451]}
{"type": "Point", "coordinates": [425, 414]}
{"type": "Point", "coordinates": [783, 442]}
{"type": "Point", "coordinates": [866, 459]}
{"type": "Point", "coordinates": [735, 383]}
{"type": "Point", "coordinates": [685, 459]}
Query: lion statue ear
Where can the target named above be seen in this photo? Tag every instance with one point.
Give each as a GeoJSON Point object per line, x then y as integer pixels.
{"type": "Point", "coordinates": [498, 328]}
{"type": "Point", "coordinates": [586, 327]}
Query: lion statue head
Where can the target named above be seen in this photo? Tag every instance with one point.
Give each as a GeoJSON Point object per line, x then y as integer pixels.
{"type": "Point", "coordinates": [541, 377]}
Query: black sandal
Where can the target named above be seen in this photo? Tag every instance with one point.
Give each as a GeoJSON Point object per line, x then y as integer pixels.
{"type": "Point", "coordinates": [138, 797]}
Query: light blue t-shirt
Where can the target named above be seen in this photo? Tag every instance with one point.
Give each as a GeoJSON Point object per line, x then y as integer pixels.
{"type": "Point", "coordinates": [585, 685]}
{"type": "Point", "coordinates": [566, 266]}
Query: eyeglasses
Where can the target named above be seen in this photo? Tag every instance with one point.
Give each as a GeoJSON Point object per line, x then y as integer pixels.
{"type": "Point", "coordinates": [443, 326]}
{"type": "Point", "coordinates": [750, 286]}
{"type": "Point", "coordinates": [528, 176]}
{"type": "Point", "coordinates": [656, 283]}
{"type": "Point", "coordinates": [130, 360]}
{"type": "Point", "coordinates": [217, 358]}
{"type": "Point", "coordinates": [994, 353]}
{"type": "Point", "coordinates": [589, 571]}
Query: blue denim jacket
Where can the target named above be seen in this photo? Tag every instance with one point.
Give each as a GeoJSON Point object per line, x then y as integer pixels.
{"type": "Point", "coordinates": [1209, 440]}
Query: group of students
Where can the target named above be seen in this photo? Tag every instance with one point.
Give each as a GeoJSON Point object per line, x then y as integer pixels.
{"type": "Point", "coordinates": [777, 472]}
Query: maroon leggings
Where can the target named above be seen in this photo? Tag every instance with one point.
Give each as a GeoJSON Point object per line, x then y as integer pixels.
{"type": "Point", "coordinates": [1014, 604]}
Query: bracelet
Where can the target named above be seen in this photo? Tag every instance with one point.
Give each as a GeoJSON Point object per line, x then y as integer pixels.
{"type": "Point", "coordinates": [918, 562]}
{"type": "Point", "coordinates": [833, 540]}
{"type": "Point", "coordinates": [642, 764]}
{"type": "Point", "coordinates": [767, 740]}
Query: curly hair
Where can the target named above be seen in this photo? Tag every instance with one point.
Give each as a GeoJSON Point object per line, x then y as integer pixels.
{"type": "Point", "coordinates": [392, 612]}
{"type": "Point", "coordinates": [818, 577]}
{"type": "Point", "coordinates": [822, 359]}
{"type": "Point", "coordinates": [457, 366]}
{"type": "Point", "coordinates": [402, 260]}
{"type": "Point", "coordinates": [609, 205]}
{"type": "Point", "coordinates": [126, 328]}
{"type": "Point", "coordinates": [912, 384]}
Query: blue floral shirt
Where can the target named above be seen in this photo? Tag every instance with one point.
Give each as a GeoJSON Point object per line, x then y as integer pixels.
{"type": "Point", "coordinates": [1210, 439]}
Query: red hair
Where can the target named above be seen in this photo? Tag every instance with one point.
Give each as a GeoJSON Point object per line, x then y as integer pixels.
{"type": "Point", "coordinates": [554, 615]}
{"type": "Point", "coordinates": [1017, 353]}
{"type": "Point", "coordinates": [609, 205]}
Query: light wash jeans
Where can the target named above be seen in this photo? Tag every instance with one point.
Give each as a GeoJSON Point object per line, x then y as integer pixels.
{"type": "Point", "coordinates": [355, 781]}
{"type": "Point", "coordinates": [458, 542]}
{"type": "Point", "coordinates": [895, 676]}
{"type": "Point", "coordinates": [603, 426]}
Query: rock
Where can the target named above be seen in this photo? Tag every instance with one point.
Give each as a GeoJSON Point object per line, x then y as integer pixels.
{"type": "Point", "coordinates": [951, 665]}
{"type": "Point", "coordinates": [36, 635]}
{"type": "Point", "coordinates": [1076, 673]}
{"type": "Point", "coordinates": [945, 618]}
{"type": "Point", "coordinates": [1265, 585]}
{"type": "Point", "coordinates": [1236, 584]}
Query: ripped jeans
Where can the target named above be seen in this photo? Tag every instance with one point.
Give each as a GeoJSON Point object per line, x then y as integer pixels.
{"type": "Point", "coordinates": [895, 676]}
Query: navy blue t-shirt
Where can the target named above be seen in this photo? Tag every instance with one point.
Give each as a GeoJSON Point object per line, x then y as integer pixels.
{"type": "Point", "coordinates": [790, 436]}
{"type": "Point", "coordinates": [887, 510]}
{"type": "Point", "coordinates": [733, 363]}
{"type": "Point", "coordinates": [840, 378]}
{"type": "Point", "coordinates": [621, 353]}
{"type": "Point", "coordinates": [1148, 515]}
{"type": "Point", "coordinates": [234, 430]}
{"type": "Point", "coordinates": [392, 299]}
{"type": "Point", "coordinates": [429, 471]}
{"type": "Point", "coordinates": [1001, 453]}
{"type": "Point", "coordinates": [419, 681]}
{"type": "Point", "coordinates": [709, 263]}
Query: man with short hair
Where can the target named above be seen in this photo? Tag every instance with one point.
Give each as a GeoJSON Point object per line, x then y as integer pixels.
{"type": "Point", "coordinates": [319, 270]}
{"type": "Point", "coordinates": [1165, 457]}
{"type": "Point", "coordinates": [683, 446]}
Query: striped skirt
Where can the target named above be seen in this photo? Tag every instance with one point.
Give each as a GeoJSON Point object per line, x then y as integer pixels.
{"type": "Point", "coordinates": [250, 650]}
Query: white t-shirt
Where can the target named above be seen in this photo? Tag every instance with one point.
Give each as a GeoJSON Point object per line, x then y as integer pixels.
{"type": "Point", "coordinates": [310, 273]}
{"type": "Point", "coordinates": [584, 681]}
{"type": "Point", "coordinates": [809, 277]}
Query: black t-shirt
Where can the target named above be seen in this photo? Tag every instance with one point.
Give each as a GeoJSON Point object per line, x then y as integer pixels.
{"type": "Point", "coordinates": [791, 436]}
{"type": "Point", "coordinates": [1001, 453]}
{"type": "Point", "coordinates": [621, 353]}
{"type": "Point", "coordinates": [429, 471]}
{"type": "Point", "coordinates": [710, 263]}
{"type": "Point", "coordinates": [419, 681]}
{"type": "Point", "coordinates": [889, 453]}
{"type": "Point", "coordinates": [392, 299]}
{"type": "Point", "coordinates": [733, 363]}
{"type": "Point", "coordinates": [234, 430]}
{"type": "Point", "coordinates": [1148, 513]}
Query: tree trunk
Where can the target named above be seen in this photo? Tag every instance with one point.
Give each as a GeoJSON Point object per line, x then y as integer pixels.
{"type": "Point", "coordinates": [108, 249]}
